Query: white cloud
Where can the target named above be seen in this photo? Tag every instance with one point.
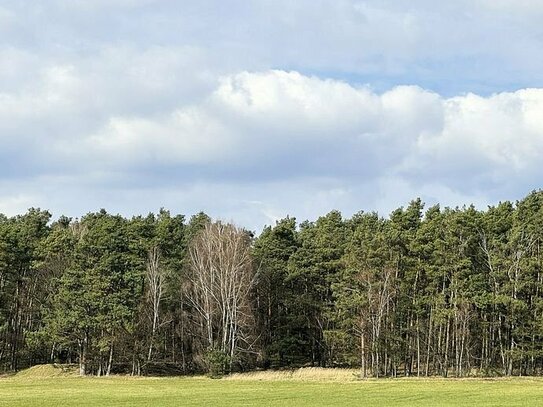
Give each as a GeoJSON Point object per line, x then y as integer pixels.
{"type": "Point", "coordinates": [284, 132]}
{"type": "Point", "coordinates": [270, 115]}
{"type": "Point", "coordinates": [288, 102]}
{"type": "Point", "coordinates": [504, 129]}
{"type": "Point", "coordinates": [187, 136]}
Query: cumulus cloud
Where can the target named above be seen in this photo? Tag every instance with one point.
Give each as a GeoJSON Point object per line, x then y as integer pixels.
{"type": "Point", "coordinates": [291, 142]}
{"type": "Point", "coordinates": [505, 129]}
{"type": "Point", "coordinates": [276, 116]}
{"type": "Point", "coordinates": [254, 115]}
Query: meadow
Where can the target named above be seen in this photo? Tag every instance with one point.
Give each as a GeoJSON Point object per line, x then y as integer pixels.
{"type": "Point", "coordinates": [298, 388]}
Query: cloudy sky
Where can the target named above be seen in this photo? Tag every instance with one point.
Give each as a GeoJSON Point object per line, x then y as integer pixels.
{"type": "Point", "coordinates": [252, 110]}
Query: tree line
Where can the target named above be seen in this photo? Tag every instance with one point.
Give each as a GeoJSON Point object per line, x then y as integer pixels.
{"type": "Point", "coordinates": [441, 291]}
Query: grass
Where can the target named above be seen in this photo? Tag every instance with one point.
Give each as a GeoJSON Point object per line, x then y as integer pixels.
{"type": "Point", "coordinates": [313, 387]}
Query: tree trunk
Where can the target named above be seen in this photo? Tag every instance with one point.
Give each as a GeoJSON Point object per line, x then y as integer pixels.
{"type": "Point", "coordinates": [110, 360]}
{"type": "Point", "coordinates": [429, 339]}
{"type": "Point", "coordinates": [83, 355]}
{"type": "Point", "coordinates": [363, 372]}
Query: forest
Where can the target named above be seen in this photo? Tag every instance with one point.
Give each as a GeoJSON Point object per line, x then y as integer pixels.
{"type": "Point", "coordinates": [452, 292]}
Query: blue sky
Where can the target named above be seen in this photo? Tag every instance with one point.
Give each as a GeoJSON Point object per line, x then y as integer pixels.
{"type": "Point", "coordinates": [254, 110]}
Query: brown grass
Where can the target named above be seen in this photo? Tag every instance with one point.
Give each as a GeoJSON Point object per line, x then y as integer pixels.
{"type": "Point", "coordinates": [302, 374]}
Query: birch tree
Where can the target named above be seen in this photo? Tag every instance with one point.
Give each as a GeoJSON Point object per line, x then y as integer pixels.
{"type": "Point", "coordinates": [221, 277]}
{"type": "Point", "coordinates": [155, 280]}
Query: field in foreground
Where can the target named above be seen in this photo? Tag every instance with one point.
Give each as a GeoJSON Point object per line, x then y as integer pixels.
{"type": "Point", "coordinates": [282, 390]}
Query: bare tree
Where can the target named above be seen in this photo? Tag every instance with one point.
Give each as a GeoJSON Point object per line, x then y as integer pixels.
{"type": "Point", "coordinates": [379, 292]}
{"type": "Point", "coordinates": [155, 279]}
{"type": "Point", "coordinates": [221, 276]}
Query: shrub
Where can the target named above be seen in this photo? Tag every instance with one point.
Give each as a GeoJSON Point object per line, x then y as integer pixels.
{"type": "Point", "coordinates": [218, 363]}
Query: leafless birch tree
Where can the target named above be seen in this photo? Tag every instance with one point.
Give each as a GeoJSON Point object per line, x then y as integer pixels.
{"type": "Point", "coordinates": [155, 280]}
{"type": "Point", "coordinates": [221, 276]}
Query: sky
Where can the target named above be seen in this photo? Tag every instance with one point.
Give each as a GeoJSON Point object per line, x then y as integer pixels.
{"type": "Point", "coordinates": [255, 110]}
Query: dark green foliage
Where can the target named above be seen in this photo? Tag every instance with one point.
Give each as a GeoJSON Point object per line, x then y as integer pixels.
{"type": "Point", "coordinates": [20, 283]}
{"type": "Point", "coordinates": [312, 270]}
{"type": "Point", "coordinates": [273, 295]}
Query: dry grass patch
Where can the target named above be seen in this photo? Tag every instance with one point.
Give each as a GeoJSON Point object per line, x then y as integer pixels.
{"type": "Point", "coordinates": [302, 374]}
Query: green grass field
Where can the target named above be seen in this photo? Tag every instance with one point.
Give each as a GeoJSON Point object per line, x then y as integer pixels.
{"type": "Point", "coordinates": [32, 390]}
